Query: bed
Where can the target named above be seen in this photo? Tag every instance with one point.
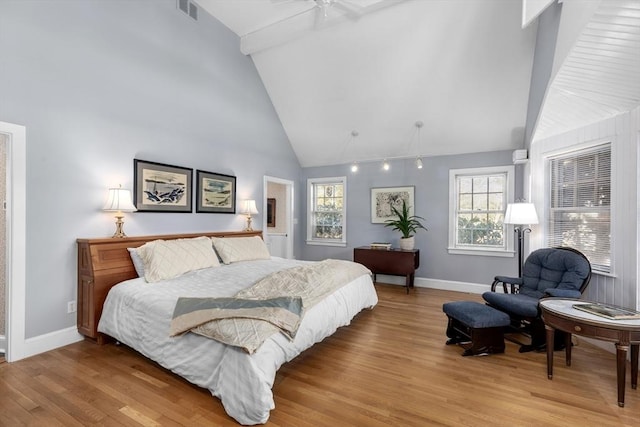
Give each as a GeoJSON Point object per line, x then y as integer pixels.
{"type": "Point", "coordinates": [139, 314]}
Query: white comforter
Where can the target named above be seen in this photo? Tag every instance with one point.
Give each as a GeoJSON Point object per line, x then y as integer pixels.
{"type": "Point", "coordinates": [138, 314]}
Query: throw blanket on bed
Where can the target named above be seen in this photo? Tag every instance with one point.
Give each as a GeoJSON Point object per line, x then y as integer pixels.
{"type": "Point", "coordinates": [282, 312]}
{"type": "Point", "coordinates": [250, 327]}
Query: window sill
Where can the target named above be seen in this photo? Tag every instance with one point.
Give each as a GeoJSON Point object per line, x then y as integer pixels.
{"type": "Point", "coordinates": [605, 274]}
{"type": "Point", "coordinates": [321, 243]}
{"type": "Point", "coordinates": [482, 252]}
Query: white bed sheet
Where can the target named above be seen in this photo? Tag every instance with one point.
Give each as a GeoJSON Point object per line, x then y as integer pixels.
{"type": "Point", "coordinates": [138, 314]}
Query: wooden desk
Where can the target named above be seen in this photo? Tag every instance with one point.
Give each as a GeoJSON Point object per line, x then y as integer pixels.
{"type": "Point", "coordinates": [395, 262]}
{"type": "Point", "coordinates": [560, 314]}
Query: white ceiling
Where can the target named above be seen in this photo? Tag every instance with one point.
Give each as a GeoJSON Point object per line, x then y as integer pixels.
{"type": "Point", "coordinates": [463, 67]}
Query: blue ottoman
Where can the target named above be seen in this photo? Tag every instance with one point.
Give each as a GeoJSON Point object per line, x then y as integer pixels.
{"type": "Point", "coordinates": [478, 326]}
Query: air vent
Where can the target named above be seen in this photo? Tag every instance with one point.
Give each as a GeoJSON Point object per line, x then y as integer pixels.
{"type": "Point", "coordinates": [193, 11]}
{"type": "Point", "coordinates": [189, 8]}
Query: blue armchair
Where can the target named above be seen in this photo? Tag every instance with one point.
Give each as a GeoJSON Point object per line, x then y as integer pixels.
{"type": "Point", "coordinates": [550, 272]}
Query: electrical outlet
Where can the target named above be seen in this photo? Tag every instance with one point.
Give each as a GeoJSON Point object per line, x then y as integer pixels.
{"type": "Point", "coordinates": [71, 307]}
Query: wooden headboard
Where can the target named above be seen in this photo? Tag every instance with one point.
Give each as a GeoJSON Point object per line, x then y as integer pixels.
{"type": "Point", "coordinates": [103, 263]}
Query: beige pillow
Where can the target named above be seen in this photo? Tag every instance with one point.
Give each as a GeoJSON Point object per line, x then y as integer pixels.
{"type": "Point", "coordinates": [166, 259]}
{"type": "Point", "coordinates": [234, 249]}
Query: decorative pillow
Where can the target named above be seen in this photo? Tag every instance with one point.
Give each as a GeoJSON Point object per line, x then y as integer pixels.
{"type": "Point", "coordinates": [234, 249]}
{"type": "Point", "coordinates": [166, 259]}
{"type": "Point", "coordinates": [137, 261]}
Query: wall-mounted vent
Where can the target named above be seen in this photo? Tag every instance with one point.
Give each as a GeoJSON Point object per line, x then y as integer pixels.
{"type": "Point", "coordinates": [189, 7]}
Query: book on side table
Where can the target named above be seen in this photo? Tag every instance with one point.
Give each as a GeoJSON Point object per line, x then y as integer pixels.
{"type": "Point", "coordinates": [380, 245]}
{"type": "Point", "coordinates": [608, 311]}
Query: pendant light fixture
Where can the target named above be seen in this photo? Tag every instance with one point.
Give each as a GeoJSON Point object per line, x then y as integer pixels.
{"type": "Point", "coordinates": [419, 125]}
{"type": "Point", "coordinates": [354, 135]}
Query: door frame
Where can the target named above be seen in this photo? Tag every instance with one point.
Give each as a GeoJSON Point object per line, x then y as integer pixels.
{"type": "Point", "coordinates": [16, 240]}
{"type": "Point", "coordinates": [289, 210]}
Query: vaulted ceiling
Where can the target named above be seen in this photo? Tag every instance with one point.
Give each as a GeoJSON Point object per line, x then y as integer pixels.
{"type": "Point", "coordinates": [599, 76]}
{"type": "Point", "coordinates": [377, 67]}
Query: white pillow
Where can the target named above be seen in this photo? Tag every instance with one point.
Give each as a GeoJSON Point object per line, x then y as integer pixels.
{"type": "Point", "coordinates": [137, 261]}
{"type": "Point", "coordinates": [166, 259]}
{"type": "Point", "coordinates": [234, 249]}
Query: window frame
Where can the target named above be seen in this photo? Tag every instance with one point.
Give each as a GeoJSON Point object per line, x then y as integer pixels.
{"type": "Point", "coordinates": [508, 249]}
{"type": "Point", "coordinates": [574, 152]}
{"type": "Point", "coordinates": [311, 185]}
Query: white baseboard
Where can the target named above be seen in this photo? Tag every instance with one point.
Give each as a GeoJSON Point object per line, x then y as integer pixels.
{"type": "Point", "coordinates": [446, 285]}
{"type": "Point", "coordinates": [50, 341]}
{"type": "Point", "coordinates": [608, 346]}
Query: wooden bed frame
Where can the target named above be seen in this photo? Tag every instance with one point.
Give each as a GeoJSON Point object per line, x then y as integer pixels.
{"type": "Point", "coordinates": [103, 263]}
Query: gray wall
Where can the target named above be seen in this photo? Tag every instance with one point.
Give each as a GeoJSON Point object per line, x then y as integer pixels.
{"type": "Point", "coordinates": [99, 83]}
{"type": "Point", "coordinates": [432, 202]}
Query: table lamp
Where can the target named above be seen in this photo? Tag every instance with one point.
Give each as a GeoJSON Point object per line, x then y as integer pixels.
{"type": "Point", "coordinates": [119, 201]}
{"type": "Point", "coordinates": [248, 209]}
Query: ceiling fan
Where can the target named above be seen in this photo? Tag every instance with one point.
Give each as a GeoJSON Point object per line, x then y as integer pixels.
{"type": "Point", "coordinates": [323, 9]}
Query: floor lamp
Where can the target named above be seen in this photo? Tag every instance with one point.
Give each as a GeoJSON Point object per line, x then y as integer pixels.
{"type": "Point", "coordinates": [520, 214]}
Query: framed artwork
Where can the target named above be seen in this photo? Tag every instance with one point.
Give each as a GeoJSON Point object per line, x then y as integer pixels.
{"type": "Point", "coordinates": [215, 192]}
{"type": "Point", "coordinates": [382, 199]}
{"type": "Point", "coordinates": [271, 212]}
{"type": "Point", "coordinates": [161, 188]}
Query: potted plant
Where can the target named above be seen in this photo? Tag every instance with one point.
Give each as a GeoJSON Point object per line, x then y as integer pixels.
{"type": "Point", "coordinates": [405, 224]}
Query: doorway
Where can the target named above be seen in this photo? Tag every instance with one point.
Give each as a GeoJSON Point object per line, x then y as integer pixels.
{"type": "Point", "coordinates": [3, 246]}
{"type": "Point", "coordinates": [278, 218]}
{"type": "Point", "coordinates": [15, 142]}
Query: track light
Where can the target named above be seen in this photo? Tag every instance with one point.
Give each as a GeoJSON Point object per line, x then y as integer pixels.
{"type": "Point", "coordinates": [354, 167]}
{"type": "Point", "coordinates": [385, 165]}
{"type": "Point", "coordinates": [419, 162]}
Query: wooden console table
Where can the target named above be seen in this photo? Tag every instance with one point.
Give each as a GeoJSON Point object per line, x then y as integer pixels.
{"type": "Point", "coordinates": [395, 262]}
{"type": "Point", "coordinates": [560, 314]}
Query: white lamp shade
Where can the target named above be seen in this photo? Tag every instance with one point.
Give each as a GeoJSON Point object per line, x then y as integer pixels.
{"type": "Point", "coordinates": [119, 199]}
{"type": "Point", "coordinates": [249, 207]}
{"type": "Point", "coordinates": [521, 213]}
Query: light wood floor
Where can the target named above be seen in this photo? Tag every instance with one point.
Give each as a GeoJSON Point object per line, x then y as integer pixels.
{"type": "Point", "coordinates": [390, 367]}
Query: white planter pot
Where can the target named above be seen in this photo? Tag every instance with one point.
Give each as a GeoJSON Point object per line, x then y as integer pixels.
{"type": "Point", "coordinates": [408, 243]}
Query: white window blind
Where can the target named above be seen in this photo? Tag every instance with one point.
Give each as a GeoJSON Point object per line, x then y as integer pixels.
{"type": "Point", "coordinates": [580, 204]}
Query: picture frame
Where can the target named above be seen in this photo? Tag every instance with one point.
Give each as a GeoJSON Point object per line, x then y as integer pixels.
{"type": "Point", "coordinates": [215, 192]}
{"type": "Point", "coordinates": [382, 199]}
{"type": "Point", "coordinates": [159, 187]}
{"type": "Point", "coordinates": [271, 212]}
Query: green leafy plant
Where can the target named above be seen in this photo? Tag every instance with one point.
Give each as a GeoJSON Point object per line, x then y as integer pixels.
{"type": "Point", "coordinates": [405, 223]}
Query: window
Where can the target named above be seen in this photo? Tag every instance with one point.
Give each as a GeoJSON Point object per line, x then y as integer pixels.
{"type": "Point", "coordinates": [327, 211]}
{"type": "Point", "coordinates": [477, 200]}
{"type": "Point", "coordinates": [580, 204]}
